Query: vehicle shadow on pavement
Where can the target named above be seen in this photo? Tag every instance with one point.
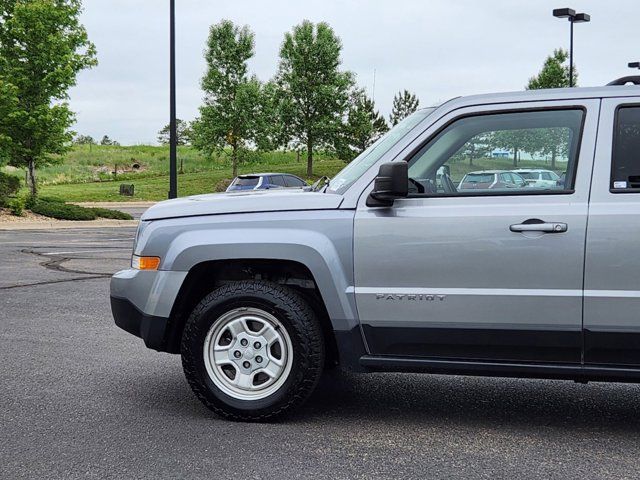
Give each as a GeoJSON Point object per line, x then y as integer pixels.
{"type": "Point", "coordinates": [474, 401]}
{"type": "Point", "coordinates": [412, 400]}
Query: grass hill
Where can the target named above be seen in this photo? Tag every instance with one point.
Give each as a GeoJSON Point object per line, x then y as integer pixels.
{"type": "Point", "coordinates": [94, 173]}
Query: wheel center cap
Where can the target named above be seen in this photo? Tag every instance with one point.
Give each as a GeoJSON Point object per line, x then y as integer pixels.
{"type": "Point", "coordinates": [249, 354]}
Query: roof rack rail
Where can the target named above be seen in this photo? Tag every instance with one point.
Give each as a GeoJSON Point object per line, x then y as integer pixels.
{"type": "Point", "coordinates": [634, 79]}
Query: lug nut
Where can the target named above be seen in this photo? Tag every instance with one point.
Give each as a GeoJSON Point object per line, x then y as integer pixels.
{"type": "Point", "coordinates": [244, 342]}
{"type": "Point", "coordinates": [259, 359]}
{"type": "Point", "coordinates": [246, 365]}
{"type": "Point", "coordinates": [237, 354]}
{"type": "Point", "coordinates": [257, 345]}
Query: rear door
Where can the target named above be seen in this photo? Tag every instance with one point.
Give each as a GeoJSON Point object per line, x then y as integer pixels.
{"type": "Point", "coordinates": [612, 267]}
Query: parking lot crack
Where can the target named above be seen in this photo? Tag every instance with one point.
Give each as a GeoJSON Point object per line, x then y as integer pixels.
{"type": "Point", "coordinates": [55, 263]}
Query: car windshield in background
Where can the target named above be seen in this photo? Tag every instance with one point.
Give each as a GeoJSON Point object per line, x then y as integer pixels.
{"type": "Point", "coordinates": [245, 182]}
{"type": "Point", "coordinates": [528, 175]}
{"type": "Point", "coordinates": [348, 175]}
{"type": "Point", "coordinates": [478, 178]}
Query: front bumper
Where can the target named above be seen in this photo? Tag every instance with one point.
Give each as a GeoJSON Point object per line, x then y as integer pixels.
{"type": "Point", "coordinates": [148, 327]}
{"type": "Point", "coordinates": [141, 303]}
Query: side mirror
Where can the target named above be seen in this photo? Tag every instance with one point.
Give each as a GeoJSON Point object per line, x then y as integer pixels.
{"type": "Point", "coordinates": [392, 182]}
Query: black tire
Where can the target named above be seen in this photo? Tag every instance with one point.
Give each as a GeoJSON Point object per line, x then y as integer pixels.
{"type": "Point", "coordinates": [299, 321]}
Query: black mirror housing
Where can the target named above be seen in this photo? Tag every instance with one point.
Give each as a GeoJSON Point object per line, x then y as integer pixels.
{"type": "Point", "coordinates": [392, 182]}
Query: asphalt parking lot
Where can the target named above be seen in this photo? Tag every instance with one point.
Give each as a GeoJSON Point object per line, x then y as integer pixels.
{"type": "Point", "coordinates": [82, 399]}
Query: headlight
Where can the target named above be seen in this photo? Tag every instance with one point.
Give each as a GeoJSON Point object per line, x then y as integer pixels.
{"type": "Point", "coordinates": [138, 262]}
{"type": "Point", "coordinates": [141, 228]}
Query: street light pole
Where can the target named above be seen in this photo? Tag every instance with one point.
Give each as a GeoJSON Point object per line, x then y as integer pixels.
{"type": "Point", "coordinates": [571, 55]}
{"type": "Point", "coordinates": [173, 153]}
{"type": "Point", "coordinates": [573, 17]}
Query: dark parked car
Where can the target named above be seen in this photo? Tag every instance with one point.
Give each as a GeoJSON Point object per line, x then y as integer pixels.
{"type": "Point", "coordinates": [266, 181]}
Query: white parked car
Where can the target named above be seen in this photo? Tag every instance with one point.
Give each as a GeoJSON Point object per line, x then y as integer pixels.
{"type": "Point", "coordinates": [536, 177]}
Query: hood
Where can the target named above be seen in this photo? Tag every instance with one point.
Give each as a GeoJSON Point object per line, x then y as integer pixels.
{"type": "Point", "coordinates": [243, 202]}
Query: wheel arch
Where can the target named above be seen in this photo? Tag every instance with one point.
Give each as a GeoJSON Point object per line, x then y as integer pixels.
{"type": "Point", "coordinates": [205, 276]}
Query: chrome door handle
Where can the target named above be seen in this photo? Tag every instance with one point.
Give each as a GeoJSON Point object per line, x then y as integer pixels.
{"type": "Point", "coordinates": [546, 227]}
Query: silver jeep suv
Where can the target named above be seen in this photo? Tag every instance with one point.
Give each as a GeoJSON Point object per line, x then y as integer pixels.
{"type": "Point", "coordinates": [391, 267]}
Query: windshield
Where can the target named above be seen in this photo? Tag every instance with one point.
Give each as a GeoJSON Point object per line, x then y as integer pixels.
{"type": "Point", "coordinates": [245, 181]}
{"type": "Point", "coordinates": [478, 178]}
{"type": "Point", "coordinates": [349, 174]}
{"type": "Point", "coordinates": [529, 175]}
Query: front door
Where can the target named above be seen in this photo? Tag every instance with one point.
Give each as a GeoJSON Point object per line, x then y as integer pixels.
{"type": "Point", "coordinates": [478, 263]}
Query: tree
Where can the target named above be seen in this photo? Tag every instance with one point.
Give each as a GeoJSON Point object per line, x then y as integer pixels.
{"type": "Point", "coordinates": [554, 73]}
{"type": "Point", "coordinates": [229, 114]}
{"type": "Point", "coordinates": [313, 92]}
{"type": "Point", "coordinates": [553, 142]}
{"type": "Point", "coordinates": [478, 147]}
{"type": "Point", "coordinates": [8, 104]}
{"type": "Point", "coordinates": [363, 126]}
{"type": "Point", "coordinates": [269, 132]}
{"type": "Point", "coordinates": [515, 141]}
{"type": "Point", "coordinates": [183, 131]}
{"type": "Point", "coordinates": [84, 140]}
{"type": "Point", "coordinates": [106, 141]}
{"type": "Point", "coordinates": [404, 104]}
{"type": "Point", "coordinates": [43, 47]}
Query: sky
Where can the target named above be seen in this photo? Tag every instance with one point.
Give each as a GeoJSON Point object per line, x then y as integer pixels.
{"type": "Point", "coordinates": [437, 49]}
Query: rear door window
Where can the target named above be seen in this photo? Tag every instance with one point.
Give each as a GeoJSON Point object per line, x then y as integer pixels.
{"type": "Point", "coordinates": [277, 180]}
{"type": "Point", "coordinates": [625, 168]}
{"type": "Point", "coordinates": [293, 181]}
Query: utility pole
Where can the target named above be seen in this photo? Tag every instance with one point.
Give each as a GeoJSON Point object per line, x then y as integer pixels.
{"type": "Point", "coordinates": [173, 134]}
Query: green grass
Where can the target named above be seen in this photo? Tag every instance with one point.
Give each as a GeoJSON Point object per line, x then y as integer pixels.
{"type": "Point", "coordinates": [85, 173]}
{"type": "Point", "coordinates": [156, 188]}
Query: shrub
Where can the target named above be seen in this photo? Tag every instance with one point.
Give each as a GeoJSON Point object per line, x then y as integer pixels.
{"type": "Point", "coordinates": [221, 185]}
{"type": "Point", "coordinates": [108, 213]}
{"type": "Point", "coordinates": [16, 206]}
{"type": "Point", "coordinates": [31, 201]}
{"type": "Point", "coordinates": [57, 208]}
{"type": "Point", "coordinates": [9, 186]}
{"type": "Point", "coordinates": [62, 211]}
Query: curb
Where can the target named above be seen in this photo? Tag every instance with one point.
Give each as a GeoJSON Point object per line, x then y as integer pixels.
{"type": "Point", "coordinates": [67, 224]}
{"type": "Point", "coordinates": [115, 204]}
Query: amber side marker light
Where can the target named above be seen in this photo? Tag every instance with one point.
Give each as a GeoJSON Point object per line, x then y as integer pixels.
{"type": "Point", "coordinates": [145, 263]}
